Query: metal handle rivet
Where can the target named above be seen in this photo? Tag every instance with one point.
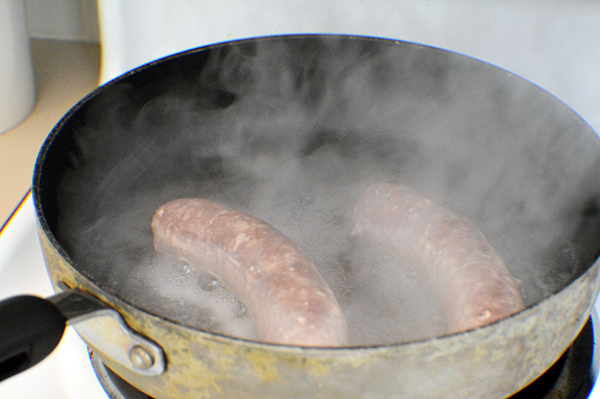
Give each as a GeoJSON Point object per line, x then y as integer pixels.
{"type": "Point", "coordinates": [141, 358]}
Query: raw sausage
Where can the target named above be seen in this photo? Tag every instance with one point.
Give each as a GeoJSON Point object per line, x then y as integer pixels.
{"type": "Point", "coordinates": [289, 300]}
{"type": "Point", "coordinates": [467, 274]}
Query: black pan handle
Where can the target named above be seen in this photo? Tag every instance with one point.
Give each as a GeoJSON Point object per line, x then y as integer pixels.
{"type": "Point", "coordinates": [30, 329]}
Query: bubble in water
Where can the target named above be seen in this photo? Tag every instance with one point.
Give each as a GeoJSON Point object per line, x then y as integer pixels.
{"type": "Point", "coordinates": [210, 284]}
{"type": "Point", "coordinates": [185, 266]}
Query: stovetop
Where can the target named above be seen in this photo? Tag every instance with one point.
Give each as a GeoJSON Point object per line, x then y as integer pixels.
{"type": "Point", "coordinates": [68, 373]}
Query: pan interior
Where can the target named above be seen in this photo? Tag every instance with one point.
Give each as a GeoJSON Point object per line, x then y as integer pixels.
{"type": "Point", "coordinates": [291, 130]}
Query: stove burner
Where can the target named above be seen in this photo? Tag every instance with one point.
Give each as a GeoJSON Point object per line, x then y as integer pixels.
{"type": "Point", "coordinates": [569, 378]}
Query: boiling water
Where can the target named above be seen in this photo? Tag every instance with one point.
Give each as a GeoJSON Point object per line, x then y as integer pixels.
{"type": "Point", "coordinates": [291, 132]}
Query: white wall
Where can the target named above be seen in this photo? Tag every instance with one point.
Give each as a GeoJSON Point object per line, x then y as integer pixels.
{"type": "Point", "coordinates": [63, 19]}
{"type": "Point", "coordinates": [553, 43]}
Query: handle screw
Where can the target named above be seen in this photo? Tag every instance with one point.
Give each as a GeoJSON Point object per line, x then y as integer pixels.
{"type": "Point", "coordinates": [140, 357]}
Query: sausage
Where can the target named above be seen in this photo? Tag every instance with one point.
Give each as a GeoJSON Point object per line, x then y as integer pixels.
{"type": "Point", "coordinates": [467, 274]}
{"type": "Point", "coordinates": [288, 299]}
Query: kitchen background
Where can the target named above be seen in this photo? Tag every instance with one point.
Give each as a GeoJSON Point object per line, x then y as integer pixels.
{"type": "Point", "coordinates": [555, 44]}
{"type": "Point", "coordinates": [66, 59]}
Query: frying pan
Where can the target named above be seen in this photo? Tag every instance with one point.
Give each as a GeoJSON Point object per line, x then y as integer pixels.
{"type": "Point", "coordinates": [291, 129]}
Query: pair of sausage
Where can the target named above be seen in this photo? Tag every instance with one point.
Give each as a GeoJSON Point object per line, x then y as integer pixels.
{"type": "Point", "coordinates": [290, 301]}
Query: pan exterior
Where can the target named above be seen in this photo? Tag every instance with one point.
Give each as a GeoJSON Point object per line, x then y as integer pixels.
{"type": "Point", "coordinates": [490, 362]}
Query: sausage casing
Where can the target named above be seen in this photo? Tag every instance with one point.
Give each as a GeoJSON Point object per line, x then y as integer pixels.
{"type": "Point", "coordinates": [468, 275]}
{"type": "Point", "coordinates": [288, 299]}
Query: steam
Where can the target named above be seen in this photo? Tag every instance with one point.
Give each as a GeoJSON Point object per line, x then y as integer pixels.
{"type": "Point", "coordinates": [291, 131]}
